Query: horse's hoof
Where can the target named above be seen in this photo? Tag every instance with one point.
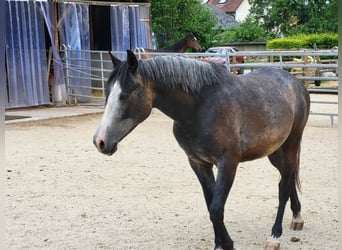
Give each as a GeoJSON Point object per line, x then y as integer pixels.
{"type": "Point", "coordinates": [297, 224]}
{"type": "Point", "coordinates": [272, 244]}
{"type": "Point", "coordinates": [225, 248]}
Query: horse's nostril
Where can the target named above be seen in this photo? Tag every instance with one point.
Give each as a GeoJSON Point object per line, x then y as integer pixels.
{"type": "Point", "coordinates": [101, 145]}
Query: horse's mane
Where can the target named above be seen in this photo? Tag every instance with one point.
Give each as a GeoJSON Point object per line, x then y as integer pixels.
{"type": "Point", "coordinates": [189, 74]}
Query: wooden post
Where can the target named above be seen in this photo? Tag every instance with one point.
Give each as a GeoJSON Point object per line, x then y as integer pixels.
{"type": "Point", "coordinates": [234, 69]}
{"type": "Point", "coordinates": [318, 70]}
{"type": "Point", "coordinates": [306, 72]}
{"type": "Point", "coordinates": [271, 59]}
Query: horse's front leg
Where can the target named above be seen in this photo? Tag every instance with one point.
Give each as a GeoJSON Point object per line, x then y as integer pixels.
{"type": "Point", "coordinates": [205, 175]}
{"type": "Point", "coordinates": [224, 180]}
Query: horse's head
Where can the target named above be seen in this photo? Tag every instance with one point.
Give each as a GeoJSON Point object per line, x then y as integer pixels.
{"type": "Point", "coordinates": [128, 103]}
{"type": "Point", "coordinates": [192, 42]}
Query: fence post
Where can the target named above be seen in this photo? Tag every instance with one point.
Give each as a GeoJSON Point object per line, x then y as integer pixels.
{"type": "Point", "coordinates": [281, 61]}
{"type": "Point", "coordinates": [317, 71]}
{"type": "Point", "coordinates": [234, 69]}
{"type": "Point", "coordinates": [67, 74]}
{"type": "Point", "coordinates": [227, 61]}
{"type": "Point", "coordinates": [306, 72]}
{"type": "Point", "coordinates": [271, 59]}
{"type": "Point", "coordinates": [139, 53]}
{"type": "Point", "coordinates": [102, 75]}
{"type": "Point", "coordinates": [316, 60]}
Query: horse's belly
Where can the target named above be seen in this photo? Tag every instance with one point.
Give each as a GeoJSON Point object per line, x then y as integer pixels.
{"type": "Point", "coordinates": [263, 144]}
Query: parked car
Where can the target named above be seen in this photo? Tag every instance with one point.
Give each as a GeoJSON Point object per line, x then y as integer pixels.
{"type": "Point", "coordinates": [222, 59]}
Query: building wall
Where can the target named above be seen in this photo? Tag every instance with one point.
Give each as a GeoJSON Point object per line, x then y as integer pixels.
{"type": "Point", "coordinates": [242, 11]}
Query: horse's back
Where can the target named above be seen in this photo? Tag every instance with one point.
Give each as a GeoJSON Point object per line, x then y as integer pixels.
{"type": "Point", "coordinates": [273, 76]}
{"type": "Point", "coordinates": [261, 108]}
{"type": "Point", "coordinates": [276, 84]}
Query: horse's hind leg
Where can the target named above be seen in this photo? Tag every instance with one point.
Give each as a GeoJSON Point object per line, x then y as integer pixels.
{"type": "Point", "coordinates": [286, 160]}
{"type": "Point", "coordinates": [297, 222]}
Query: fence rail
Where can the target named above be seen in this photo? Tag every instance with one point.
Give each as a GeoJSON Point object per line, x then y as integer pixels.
{"type": "Point", "coordinates": [330, 115]}
{"type": "Point", "coordinates": [92, 69]}
{"type": "Point", "coordinates": [95, 67]}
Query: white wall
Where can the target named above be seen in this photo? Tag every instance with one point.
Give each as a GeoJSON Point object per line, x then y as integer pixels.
{"type": "Point", "coordinates": [242, 11]}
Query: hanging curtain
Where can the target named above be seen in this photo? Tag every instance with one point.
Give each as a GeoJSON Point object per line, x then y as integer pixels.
{"type": "Point", "coordinates": [130, 28]}
{"type": "Point", "coordinates": [74, 34]}
{"type": "Point", "coordinates": [140, 31]}
{"type": "Point", "coordinates": [58, 84]}
{"type": "Point", "coordinates": [119, 19]}
{"type": "Point", "coordinates": [26, 60]}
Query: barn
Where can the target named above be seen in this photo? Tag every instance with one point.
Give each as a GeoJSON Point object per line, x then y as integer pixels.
{"type": "Point", "coordinates": [37, 31]}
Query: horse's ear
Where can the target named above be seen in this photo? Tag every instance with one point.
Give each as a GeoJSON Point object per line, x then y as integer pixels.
{"type": "Point", "coordinates": [190, 35]}
{"type": "Point", "coordinates": [132, 61]}
{"type": "Point", "coordinates": [115, 60]}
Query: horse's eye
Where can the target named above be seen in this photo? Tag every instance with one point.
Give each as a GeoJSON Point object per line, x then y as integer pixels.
{"type": "Point", "coordinates": [123, 97]}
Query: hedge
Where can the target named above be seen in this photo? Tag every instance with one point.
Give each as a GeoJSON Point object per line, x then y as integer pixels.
{"type": "Point", "coordinates": [322, 41]}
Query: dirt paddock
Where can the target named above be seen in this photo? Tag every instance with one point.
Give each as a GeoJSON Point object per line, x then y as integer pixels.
{"type": "Point", "coordinates": [63, 194]}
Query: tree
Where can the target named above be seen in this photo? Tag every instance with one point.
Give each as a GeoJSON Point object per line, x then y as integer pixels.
{"type": "Point", "coordinates": [288, 17]}
{"type": "Point", "coordinates": [172, 19]}
{"type": "Point", "coordinates": [248, 30]}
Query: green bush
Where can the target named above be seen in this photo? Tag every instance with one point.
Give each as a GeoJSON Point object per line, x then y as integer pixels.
{"type": "Point", "coordinates": [322, 41]}
{"type": "Point", "coordinates": [248, 31]}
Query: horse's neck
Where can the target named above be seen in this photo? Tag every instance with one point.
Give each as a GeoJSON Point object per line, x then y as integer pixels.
{"type": "Point", "coordinates": [174, 102]}
{"type": "Point", "coordinates": [179, 46]}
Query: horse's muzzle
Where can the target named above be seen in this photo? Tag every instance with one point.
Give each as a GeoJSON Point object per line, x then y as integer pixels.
{"type": "Point", "coordinates": [103, 147]}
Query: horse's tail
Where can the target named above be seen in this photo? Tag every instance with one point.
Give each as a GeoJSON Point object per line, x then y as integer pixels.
{"type": "Point", "coordinates": [305, 116]}
{"type": "Point", "coordinates": [296, 172]}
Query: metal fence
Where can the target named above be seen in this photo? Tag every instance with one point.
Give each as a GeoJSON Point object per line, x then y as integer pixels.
{"type": "Point", "coordinates": [328, 114]}
{"type": "Point", "coordinates": [93, 68]}
{"type": "Point", "coordinates": [306, 65]}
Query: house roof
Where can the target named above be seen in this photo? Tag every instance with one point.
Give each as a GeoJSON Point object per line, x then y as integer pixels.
{"type": "Point", "coordinates": [226, 6]}
{"type": "Point", "coordinates": [224, 20]}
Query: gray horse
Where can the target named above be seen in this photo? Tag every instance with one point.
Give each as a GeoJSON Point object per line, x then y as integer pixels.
{"type": "Point", "coordinates": [219, 119]}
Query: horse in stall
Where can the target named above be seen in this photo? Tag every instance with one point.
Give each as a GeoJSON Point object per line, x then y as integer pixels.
{"type": "Point", "coordinates": [188, 42]}
{"type": "Point", "coordinates": [219, 119]}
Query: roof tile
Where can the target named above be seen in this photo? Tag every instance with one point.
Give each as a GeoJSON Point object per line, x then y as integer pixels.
{"type": "Point", "coordinates": [227, 6]}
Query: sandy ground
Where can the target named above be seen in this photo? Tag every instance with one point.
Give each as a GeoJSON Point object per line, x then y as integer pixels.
{"type": "Point", "coordinates": [63, 194]}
